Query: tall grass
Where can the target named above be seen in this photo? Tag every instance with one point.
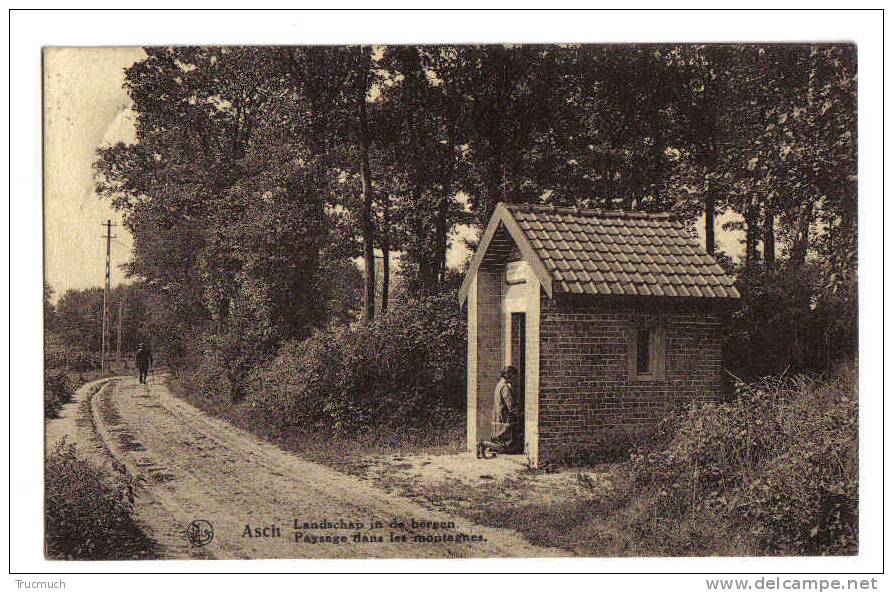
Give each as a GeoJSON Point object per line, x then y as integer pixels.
{"type": "Point", "coordinates": [57, 391]}
{"type": "Point", "coordinates": [88, 513]}
{"type": "Point", "coordinates": [774, 471]}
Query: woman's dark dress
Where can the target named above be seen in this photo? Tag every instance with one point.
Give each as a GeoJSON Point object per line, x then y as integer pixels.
{"type": "Point", "coordinates": [505, 419]}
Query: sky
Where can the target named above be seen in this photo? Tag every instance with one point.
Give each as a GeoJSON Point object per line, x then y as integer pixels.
{"type": "Point", "coordinates": [86, 107]}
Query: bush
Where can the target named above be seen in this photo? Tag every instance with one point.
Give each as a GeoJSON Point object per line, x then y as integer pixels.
{"type": "Point", "coordinates": [58, 356]}
{"type": "Point", "coordinates": [405, 370]}
{"type": "Point", "coordinates": [88, 516]}
{"type": "Point", "coordinates": [790, 319]}
{"type": "Point", "coordinates": [82, 362]}
{"type": "Point", "coordinates": [778, 466]}
{"type": "Point", "coordinates": [230, 355]}
{"type": "Point", "coordinates": [805, 498]}
{"type": "Point", "coordinates": [57, 391]}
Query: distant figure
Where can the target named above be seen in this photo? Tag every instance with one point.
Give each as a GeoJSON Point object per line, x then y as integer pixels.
{"type": "Point", "coordinates": [506, 416]}
{"type": "Point", "coordinates": [143, 361]}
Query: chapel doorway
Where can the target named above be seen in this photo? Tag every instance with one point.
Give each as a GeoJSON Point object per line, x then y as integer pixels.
{"type": "Point", "coordinates": [517, 358]}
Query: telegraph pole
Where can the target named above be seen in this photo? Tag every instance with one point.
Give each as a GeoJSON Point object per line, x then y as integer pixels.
{"type": "Point", "coordinates": [106, 293]}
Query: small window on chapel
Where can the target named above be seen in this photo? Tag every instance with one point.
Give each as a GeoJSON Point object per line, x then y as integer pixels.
{"type": "Point", "coordinates": [646, 351]}
{"type": "Point", "coordinates": [643, 351]}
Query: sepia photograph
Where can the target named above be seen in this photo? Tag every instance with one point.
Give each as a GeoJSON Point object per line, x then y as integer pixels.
{"type": "Point", "coordinates": [506, 302]}
{"type": "Point", "coordinates": [405, 301]}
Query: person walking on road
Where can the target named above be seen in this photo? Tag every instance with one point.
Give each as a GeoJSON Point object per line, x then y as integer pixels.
{"type": "Point", "coordinates": [144, 361]}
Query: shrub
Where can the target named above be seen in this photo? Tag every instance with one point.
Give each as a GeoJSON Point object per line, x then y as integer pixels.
{"type": "Point", "coordinates": [791, 319]}
{"type": "Point", "coordinates": [57, 356]}
{"type": "Point", "coordinates": [82, 361]}
{"type": "Point", "coordinates": [88, 516]}
{"type": "Point", "coordinates": [778, 465]}
{"type": "Point", "coordinates": [229, 356]}
{"type": "Point", "coordinates": [804, 499]}
{"type": "Point", "coordinates": [57, 391]}
{"type": "Point", "coordinates": [405, 370]}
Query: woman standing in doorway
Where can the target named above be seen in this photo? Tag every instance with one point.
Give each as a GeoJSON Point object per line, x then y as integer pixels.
{"type": "Point", "coordinates": [506, 416]}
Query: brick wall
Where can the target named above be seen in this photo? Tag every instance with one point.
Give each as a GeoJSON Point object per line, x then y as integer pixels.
{"type": "Point", "coordinates": [489, 345]}
{"type": "Point", "coordinates": [589, 398]}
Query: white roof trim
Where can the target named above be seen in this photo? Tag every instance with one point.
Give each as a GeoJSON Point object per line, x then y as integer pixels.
{"type": "Point", "coordinates": [502, 215]}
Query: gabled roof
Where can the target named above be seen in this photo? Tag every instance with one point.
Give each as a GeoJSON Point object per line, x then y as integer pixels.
{"type": "Point", "coordinates": [607, 252]}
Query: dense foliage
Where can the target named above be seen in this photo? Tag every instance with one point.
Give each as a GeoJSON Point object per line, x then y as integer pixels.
{"type": "Point", "coordinates": [57, 391]}
{"type": "Point", "coordinates": [62, 373]}
{"type": "Point", "coordinates": [775, 470]}
{"type": "Point", "coordinates": [405, 370]}
{"type": "Point", "coordinates": [88, 513]}
{"type": "Point", "coordinates": [77, 319]}
{"type": "Point", "coordinates": [790, 320]}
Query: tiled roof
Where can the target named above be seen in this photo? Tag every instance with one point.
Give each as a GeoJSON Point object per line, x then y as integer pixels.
{"type": "Point", "coordinates": [620, 253]}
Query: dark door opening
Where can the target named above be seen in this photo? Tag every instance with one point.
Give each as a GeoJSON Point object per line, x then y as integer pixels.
{"type": "Point", "coordinates": [517, 358]}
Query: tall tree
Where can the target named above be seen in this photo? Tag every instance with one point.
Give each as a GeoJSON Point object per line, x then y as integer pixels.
{"type": "Point", "coordinates": [228, 219]}
{"type": "Point", "coordinates": [361, 91]}
{"type": "Point", "coordinates": [338, 83]}
{"type": "Point", "coordinates": [706, 120]}
{"type": "Point", "coordinates": [421, 113]}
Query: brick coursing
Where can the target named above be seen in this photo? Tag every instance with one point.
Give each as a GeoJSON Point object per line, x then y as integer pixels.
{"type": "Point", "coordinates": [587, 394]}
{"type": "Point", "coordinates": [489, 347]}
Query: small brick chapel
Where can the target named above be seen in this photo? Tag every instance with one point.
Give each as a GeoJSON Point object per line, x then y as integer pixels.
{"type": "Point", "coordinates": [611, 318]}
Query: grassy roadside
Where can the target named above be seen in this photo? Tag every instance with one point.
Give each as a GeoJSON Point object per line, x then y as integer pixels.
{"type": "Point", "coordinates": [60, 385]}
{"type": "Point", "coordinates": [579, 518]}
{"type": "Point", "coordinates": [774, 471]}
{"type": "Point", "coordinates": [88, 513]}
{"type": "Point", "coordinates": [568, 508]}
{"type": "Point", "coordinates": [348, 454]}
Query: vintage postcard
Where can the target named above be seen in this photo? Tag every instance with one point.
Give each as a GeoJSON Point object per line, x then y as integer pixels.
{"type": "Point", "coordinates": [450, 301]}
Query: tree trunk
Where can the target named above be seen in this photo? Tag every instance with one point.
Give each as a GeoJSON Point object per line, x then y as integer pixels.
{"type": "Point", "coordinates": [801, 239]}
{"type": "Point", "coordinates": [441, 225]}
{"type": "Point", "coordinates": [366, 177]}
{"type": "Point", "coordinates": [494, 188]}
{"type": "Point", "coordinates": [751, 235]}
{"type": "Point", "coordinates": [748, 247]}
{"type": "Point", "coordinates": [440, 239]}
{"type": "Point", "coordinates": [769, 238]}
{"type": "Point", "coordinates": [710, 222]}
{"type": "Point", "coordinates": [385, 253]}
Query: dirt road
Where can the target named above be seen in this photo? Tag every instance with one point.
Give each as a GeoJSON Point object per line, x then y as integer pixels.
{"type": "Point", "coordinates": [260, 501]}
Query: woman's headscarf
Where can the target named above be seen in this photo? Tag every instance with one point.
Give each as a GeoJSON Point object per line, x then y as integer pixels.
{"type": "Point", "coordinates": [509, 373]}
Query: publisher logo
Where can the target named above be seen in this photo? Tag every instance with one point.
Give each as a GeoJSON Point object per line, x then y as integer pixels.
{"type": "Point", "coordinates": [200, 532]}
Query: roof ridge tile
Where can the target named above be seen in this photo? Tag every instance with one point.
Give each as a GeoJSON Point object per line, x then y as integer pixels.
{"type": "Point", "coordinates": [590, 212]}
